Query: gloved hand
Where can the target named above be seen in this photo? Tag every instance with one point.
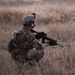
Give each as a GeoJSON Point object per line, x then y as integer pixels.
{"type": "Point", "coordinates": [40, 35]}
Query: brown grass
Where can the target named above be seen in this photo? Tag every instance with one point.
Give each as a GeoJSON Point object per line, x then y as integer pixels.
{"type": "Point", "coordinates": [58, 22]}
{"type": "Point", "coordinates": [51, 13]}
{"type": "Point", "coordinates": [7, 65]}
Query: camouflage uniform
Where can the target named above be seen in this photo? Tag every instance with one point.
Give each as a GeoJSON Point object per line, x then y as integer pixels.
{"type": "Point", "coordinates": [27, 47]}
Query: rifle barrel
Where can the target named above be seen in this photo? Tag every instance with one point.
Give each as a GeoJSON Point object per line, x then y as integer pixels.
{"type": "Point", "coordinates": [59, 45]}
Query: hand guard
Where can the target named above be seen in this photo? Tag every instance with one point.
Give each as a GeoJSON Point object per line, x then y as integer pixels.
{"type": "Point", "coordinates": [52, 42]}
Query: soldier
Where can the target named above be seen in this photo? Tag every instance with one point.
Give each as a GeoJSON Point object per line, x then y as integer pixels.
{"type": "Point", "coordinates": [27, 46]}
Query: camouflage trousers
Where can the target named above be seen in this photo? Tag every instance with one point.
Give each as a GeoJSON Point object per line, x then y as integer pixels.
{"type": "Point", "coordinates": [22, 55]}
{"type": "Point", "coordinates": [35, 54]}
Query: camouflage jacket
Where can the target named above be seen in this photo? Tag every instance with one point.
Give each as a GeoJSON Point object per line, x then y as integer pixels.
{"type": "Point", "coordinates": [26, 40]}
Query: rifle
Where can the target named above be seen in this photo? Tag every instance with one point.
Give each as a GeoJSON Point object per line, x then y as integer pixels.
{"type": "Point", "coordinates": [43, 36]}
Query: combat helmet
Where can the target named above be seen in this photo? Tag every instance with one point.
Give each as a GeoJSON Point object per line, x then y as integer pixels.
{"type": "Point", "coordinates": [27, 20]}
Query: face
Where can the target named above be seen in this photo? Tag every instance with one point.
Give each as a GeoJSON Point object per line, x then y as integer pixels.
{"type": "Point", "coordinates": [32, 24]}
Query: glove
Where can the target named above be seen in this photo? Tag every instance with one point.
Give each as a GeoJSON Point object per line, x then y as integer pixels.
{"type": "Point", "coordinates": [40, 35]}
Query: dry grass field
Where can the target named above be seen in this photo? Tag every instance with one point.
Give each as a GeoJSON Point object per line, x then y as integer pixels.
{"type": "Point", "coordinates": [56, 18]}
